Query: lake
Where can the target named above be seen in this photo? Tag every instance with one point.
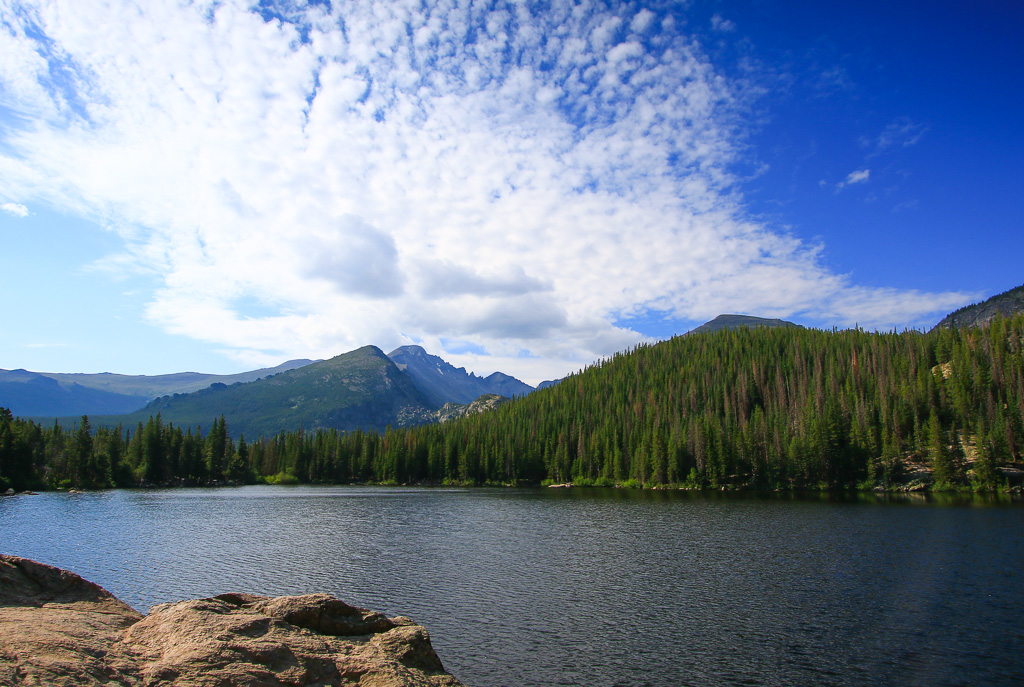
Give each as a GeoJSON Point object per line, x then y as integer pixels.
{"type": "Point", "coordinates": [586, 586]}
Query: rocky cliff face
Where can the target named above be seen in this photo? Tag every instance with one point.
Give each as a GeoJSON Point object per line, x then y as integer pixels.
{"type": "Point", "coordinates": [487, 402]}
{"type": "Point", "coordinates": [58, 629]}
{"type": "Point", "coordinates": [443, 383]}
{"type": "Point", "coordinates": [980, 314]}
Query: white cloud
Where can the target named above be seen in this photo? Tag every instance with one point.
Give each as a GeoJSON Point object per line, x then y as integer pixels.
{"type": "Point", "coordinates": [16, 209]}
{"type": "Point", "coordinates": [378, 173]}
{"type": "Point", "coordinates": [642, 21]}
{"type": "Point", "coordinates": [900, 133]}
{"type": "Point", "coordinates": [855, 177]}
{"type": "Point", "coordinates": [718, 23]}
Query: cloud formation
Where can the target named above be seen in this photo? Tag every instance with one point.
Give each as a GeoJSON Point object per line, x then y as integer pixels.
{"type": "Point", "coordinates": [900, 133]}
{"type": "Point", "coordinates": [513, 181]}
{"type": "Point", "coordinates": [16, 209]}
{"type": "Point", "coordinates": [718, 23]}
{"type": "Point", "coordinates": [855, 177]}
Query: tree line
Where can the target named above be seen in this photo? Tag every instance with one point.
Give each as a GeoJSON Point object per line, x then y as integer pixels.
{"type": "Point", "coordinates": [758, 408]}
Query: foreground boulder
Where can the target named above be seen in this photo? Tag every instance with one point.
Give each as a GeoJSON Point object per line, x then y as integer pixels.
{"type": "Point", "coordinates": [58, 629]}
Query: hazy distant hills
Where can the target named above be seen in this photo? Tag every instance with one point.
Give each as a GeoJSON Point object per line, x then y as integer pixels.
{"type": "Point", "coordinates": [980, 314]}
{"type": "Point", "coordinates": [31, 393]}
{"type": "Point", "coordinates": [737, 321]}
{"type": "Point", "coordinates": [442, 382]}
{"type": "Point", "coordinates": [52, 394]}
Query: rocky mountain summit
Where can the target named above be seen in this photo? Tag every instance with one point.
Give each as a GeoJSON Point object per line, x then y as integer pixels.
{"type": "Point", "coordinates": [59, 629]}
{"type": "Point", "coordinates": [979, 314]}
{"type": "Point", "coordinates": [442, 382]}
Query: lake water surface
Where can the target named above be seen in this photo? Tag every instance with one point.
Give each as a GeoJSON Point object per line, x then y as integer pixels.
{"type": "Point", "coordinates": [585, 587]}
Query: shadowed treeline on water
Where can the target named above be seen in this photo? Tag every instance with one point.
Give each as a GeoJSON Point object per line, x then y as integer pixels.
{"type": "Point", "coordinates": [783, 408]}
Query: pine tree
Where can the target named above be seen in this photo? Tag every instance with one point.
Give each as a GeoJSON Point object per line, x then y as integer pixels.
{"type": "Point", "coordinates": [216, 449]}
{"type": "Point", "coordinates": [81, 455]}
{"type": "Point", "coordinates": [153, 451]}
{"type": "Point", "coordinates": [941, 461]}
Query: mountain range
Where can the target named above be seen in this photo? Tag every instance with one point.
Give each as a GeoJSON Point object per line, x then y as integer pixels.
{"type": "Point", "coordinates": [363, 388]}
{"type": "Point", "coordinates": [753, 407]}
{"type": "Point", "coordinates": [51, 394]}
{"type": "Point", "coordinates": [54, 394]}
{"type": "Point", "coordinates": [442, 382]}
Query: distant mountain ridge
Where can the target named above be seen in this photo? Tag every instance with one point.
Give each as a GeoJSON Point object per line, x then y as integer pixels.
{"type": "Point", "coordinates": [47, 394]}
{"type": "Point", "coordinates": [152, 386]}
{"type": "Point", "coordinates": [359, 389]}
{"type": "Point", "coordinates": [442, 382]}
{"type": "Point", "coordinates": [979, 314]}
{"type": "Point", "coordinates": [57, 393]}
{"type": "Point", "coordinates": [31, 393]}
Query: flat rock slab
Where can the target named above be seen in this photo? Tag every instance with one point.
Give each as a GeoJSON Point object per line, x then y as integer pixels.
{"type": "Point", "coordinates": [58, 629]}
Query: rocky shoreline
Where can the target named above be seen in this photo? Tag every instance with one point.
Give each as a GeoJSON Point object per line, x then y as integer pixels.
{"type": "Point", "coordinates": [59, 629]}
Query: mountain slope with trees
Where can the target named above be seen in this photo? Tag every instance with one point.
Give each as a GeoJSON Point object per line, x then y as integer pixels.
{"type": "Point", "coordinates": [764, 407]}
{"type": "Point", "coordinates": [362, 388]}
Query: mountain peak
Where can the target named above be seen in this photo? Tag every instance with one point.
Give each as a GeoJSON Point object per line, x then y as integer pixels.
{"type": "Point", "coordinates": [980, 314]}
{"type": "Point", "coordinates": [410, 350]}
{"type": "Point", "coordinates": [441, 382]}
{"type": "Point", "coordinates": [361, 388]}
{"type": "Point", "coordinates": [731, 321]}
{"type": "Point", "coordinates": [369, 349]}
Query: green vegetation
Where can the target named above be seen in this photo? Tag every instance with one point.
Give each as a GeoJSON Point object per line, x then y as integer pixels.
{"type": "Point", "coordinates": [745, 408]}
{"type": "Point", "coordinates": [362, 388]}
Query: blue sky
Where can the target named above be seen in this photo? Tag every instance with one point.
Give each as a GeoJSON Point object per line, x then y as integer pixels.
{"type": "Point", "coordinates": [219, 186]}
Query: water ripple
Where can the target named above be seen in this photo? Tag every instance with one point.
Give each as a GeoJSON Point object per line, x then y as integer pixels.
{"type": "Point", "coordinates": [553, 587]}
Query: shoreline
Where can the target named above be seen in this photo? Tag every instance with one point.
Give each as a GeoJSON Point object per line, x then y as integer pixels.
{"type": "Point", "coordinates": [1012, 493]}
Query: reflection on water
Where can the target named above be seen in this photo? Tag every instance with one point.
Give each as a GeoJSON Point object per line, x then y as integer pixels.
{"type": "Point", "coordinates": [588, 587]}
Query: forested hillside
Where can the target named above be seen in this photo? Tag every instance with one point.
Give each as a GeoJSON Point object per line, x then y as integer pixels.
{"type": "Point", "coordinates": [766, 408]}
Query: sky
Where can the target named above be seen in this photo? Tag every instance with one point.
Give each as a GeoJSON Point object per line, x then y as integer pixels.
{"type": "Point", "coordinates": [218, 186]}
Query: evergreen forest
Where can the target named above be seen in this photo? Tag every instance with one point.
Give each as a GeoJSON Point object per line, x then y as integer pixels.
{"type": "Point", "coordinates": [765, 408]}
